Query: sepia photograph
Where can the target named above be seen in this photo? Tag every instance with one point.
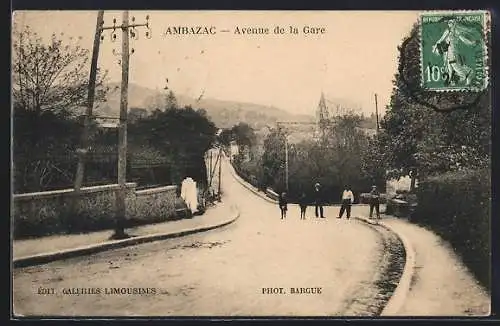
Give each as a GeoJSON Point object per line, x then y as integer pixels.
{"type": "Point", "coordinates": [230, 164]}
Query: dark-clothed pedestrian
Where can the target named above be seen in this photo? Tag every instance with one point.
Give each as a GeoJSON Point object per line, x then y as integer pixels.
{"type": "Point", "coordinates": [282, 202]}
{"type": "Point", "coordinates": [318, 200]}
{"type": "Point", "coordinates": [347, 200]}
{"type": "Point", "coordinates": [375, 201]}
{"type": "Point", "coordinates": [303, 206]}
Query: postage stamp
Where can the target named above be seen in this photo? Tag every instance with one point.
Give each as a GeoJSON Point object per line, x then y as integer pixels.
{"type": "Point", "coordinates": [453, 51]}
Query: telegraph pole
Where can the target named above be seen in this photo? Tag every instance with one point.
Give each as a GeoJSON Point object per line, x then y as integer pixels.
{"type": "Point", "coordinates": [210, 165]}
{"type": "Point", "coordinates": [121, 208]}
{"type": "Point", "coordinates": [122, 135]}
{"type": "Point", "coordinates": [286, 162]}
{"type": "Point", "coordinates": [220, 172]}
{"type": "Point", "coordinates": [282, 125]}
{"type": "Point", "coordinates": [212, 172]}
{"type": "Point", "coordinates": [82, 152]}
{"type": "Point", "coordinates": [376, 111]}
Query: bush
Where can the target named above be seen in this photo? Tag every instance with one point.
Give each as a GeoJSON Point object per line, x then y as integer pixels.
{"type": "Point", "coordinates": [456, 205]}
{"type": "Point", "coordinates": [248, 171]}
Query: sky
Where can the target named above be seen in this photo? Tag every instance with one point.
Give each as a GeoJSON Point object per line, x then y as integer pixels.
{"type": "Point", "coordinates": [353, 59]}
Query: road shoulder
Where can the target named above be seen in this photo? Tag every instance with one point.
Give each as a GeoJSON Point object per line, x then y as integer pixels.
{"type": "Point", "coordinates": [440, 284]}
{"type": "Point", "coordinates": [46, 249]}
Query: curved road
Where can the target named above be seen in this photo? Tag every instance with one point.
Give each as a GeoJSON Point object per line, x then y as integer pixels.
{"type": "Point", "coordinates": [221, 272]}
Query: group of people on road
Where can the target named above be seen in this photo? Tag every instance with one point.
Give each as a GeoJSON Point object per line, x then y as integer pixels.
{"type": "Point", "coordinates": [347, 199]}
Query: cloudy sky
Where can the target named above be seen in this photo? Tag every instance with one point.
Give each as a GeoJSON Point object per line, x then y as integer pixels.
{"type": "Point", "coordinates": [355, 58]}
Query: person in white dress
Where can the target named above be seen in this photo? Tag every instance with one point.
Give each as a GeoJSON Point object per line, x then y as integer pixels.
{"type": "Point", "coordinates": [189, 194]}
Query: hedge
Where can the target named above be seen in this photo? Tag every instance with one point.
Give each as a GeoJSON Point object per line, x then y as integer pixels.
{"type": "Point", "coordinates": [457, 207]}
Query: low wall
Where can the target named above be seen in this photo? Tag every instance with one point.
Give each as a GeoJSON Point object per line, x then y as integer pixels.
{"type": "Point", "coordinates": [364, 198]}
{"type": "Point", "coordinates": [49, 212]}
{"type": "Point", "coordinates": [154, 204]}
{"type": "Point", "coordinates": [272, 194]}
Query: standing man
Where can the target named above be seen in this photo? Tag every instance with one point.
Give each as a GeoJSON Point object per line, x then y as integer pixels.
{"type": "Point", "coordinates": [282, 202]}
{"type": "Point", "coordinates": [318, 200]}
{"type": "Point", "coordinates": [303, 206]}
{"type": "Point", "coordinates": [347, 200]}
{"type": "Point", "coordinates": [374, 201]}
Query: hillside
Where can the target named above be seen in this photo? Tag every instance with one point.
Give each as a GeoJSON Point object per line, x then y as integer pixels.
{"type": "Point", "coordinates": [223, 113]}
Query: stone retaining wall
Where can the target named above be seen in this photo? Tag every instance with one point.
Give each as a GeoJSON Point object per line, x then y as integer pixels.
{"type": "Point", "coordinates": [50, 212]}
{"type": "Point", "coordinates": [155, 203]}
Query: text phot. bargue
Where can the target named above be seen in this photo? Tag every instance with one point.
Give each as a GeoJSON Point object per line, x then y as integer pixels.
{"type": "Point", "coordinates": [211, 30]}
{"type": "Point", "coordinates": [292, 290]}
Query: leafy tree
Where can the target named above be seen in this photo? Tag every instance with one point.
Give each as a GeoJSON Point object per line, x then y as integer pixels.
{"type": "Point", "coordinates": [171, 101]}
{"type": "Point", "coordinates": [182, 135]}
{"type": "Point", "coordinates": [273, 159]}
{"type": "Point", "coordinates": [43, 149]}
{"type": "Point", "coordinates": [334, 161]}
{"type": "Point", "coordinates": [374, 162]}
{"type": "Point", "coordinates": [50, 76]}
{"type": "Point", "coordinates": [50, 82]}
{"type": "Point", "coordinates": [135, 114]}
{"type": "Point", "coordinates": [343, 132]}
{"type": "Point", "coordinates": [432, 131]}
{"type": "Point", "coordinates": [226, 136]}
{"type": "Point", "coordinates": [244, 135]}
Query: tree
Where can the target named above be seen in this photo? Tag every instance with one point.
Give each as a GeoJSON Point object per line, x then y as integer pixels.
{"type": "Point", "coordinates": [51, 76]}
{"type": "Point", "coordinates": [343, 132]}
{"type": "Point", "coordinates": [374, 162]}
{"type": "Point", "coordinates": [171, 101]}
{"type": "Point", "coordinates": [273, 159]}
{"type": "Point", "coordinates": [433, 132]}
{"type": "Point", "coordinates": [43, 149]}
{"type": "Point", "coordinates": [183, 136]}
{"type": "Point", "coordinates": [49, 83]}
{"type": "Point", "coordinates": [244, 135]}
{"type": "Point", "coordinates": [333, 161]}
{"type": "Point", "coordinates": [137, 114]}
{"type": "Point", "coordinates": [226, 136]}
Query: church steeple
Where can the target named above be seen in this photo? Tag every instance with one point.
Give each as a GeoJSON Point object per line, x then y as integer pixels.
{"type": "Point", "coordinates": [322, 111]}
{"type": "Point", "coordinates": [322, 116]}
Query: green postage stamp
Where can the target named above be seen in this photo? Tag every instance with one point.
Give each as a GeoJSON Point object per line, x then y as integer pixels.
{"type": "Point", "coordinates": [453, 51]}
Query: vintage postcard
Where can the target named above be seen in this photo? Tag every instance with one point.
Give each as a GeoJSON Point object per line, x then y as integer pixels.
{"type": "Point", "coordinates": [251, 164]}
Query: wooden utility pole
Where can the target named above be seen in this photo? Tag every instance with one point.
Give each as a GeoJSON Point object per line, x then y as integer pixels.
{"type": "Point", "coordinates": [212, 172]}
{"type": "Point", "coordinates": [376, 111]}
{"type": "Point", "coordinates": [284, 125]}
{"type": "Point", "coordinates": [286, 162]}
{"type": "Point", "coordinates": [121, 208]}
{"type": "Point", "coordinates": [210, 165]}
{"type": "Point", "coordinates": [83, 150]}
{"type": "Point", "coordinates": [220, 173]}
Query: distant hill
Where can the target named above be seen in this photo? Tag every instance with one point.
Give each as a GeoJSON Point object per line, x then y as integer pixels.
{"type": "Point", "coordinates": [223, 113]}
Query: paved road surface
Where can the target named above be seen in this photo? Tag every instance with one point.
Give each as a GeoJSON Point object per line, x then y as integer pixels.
{"type": "Point", "coordinates": [221, 272]}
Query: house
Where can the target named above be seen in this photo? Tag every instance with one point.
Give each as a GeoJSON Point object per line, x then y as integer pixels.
{"type": "Point", "coordinates": [403, 184]}
{"type": "Point", "coordinates": [233, 149]}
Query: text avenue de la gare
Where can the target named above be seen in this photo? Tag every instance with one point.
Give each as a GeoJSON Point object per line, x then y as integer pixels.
{"type": "Point", "coordinates": [239, 30]}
